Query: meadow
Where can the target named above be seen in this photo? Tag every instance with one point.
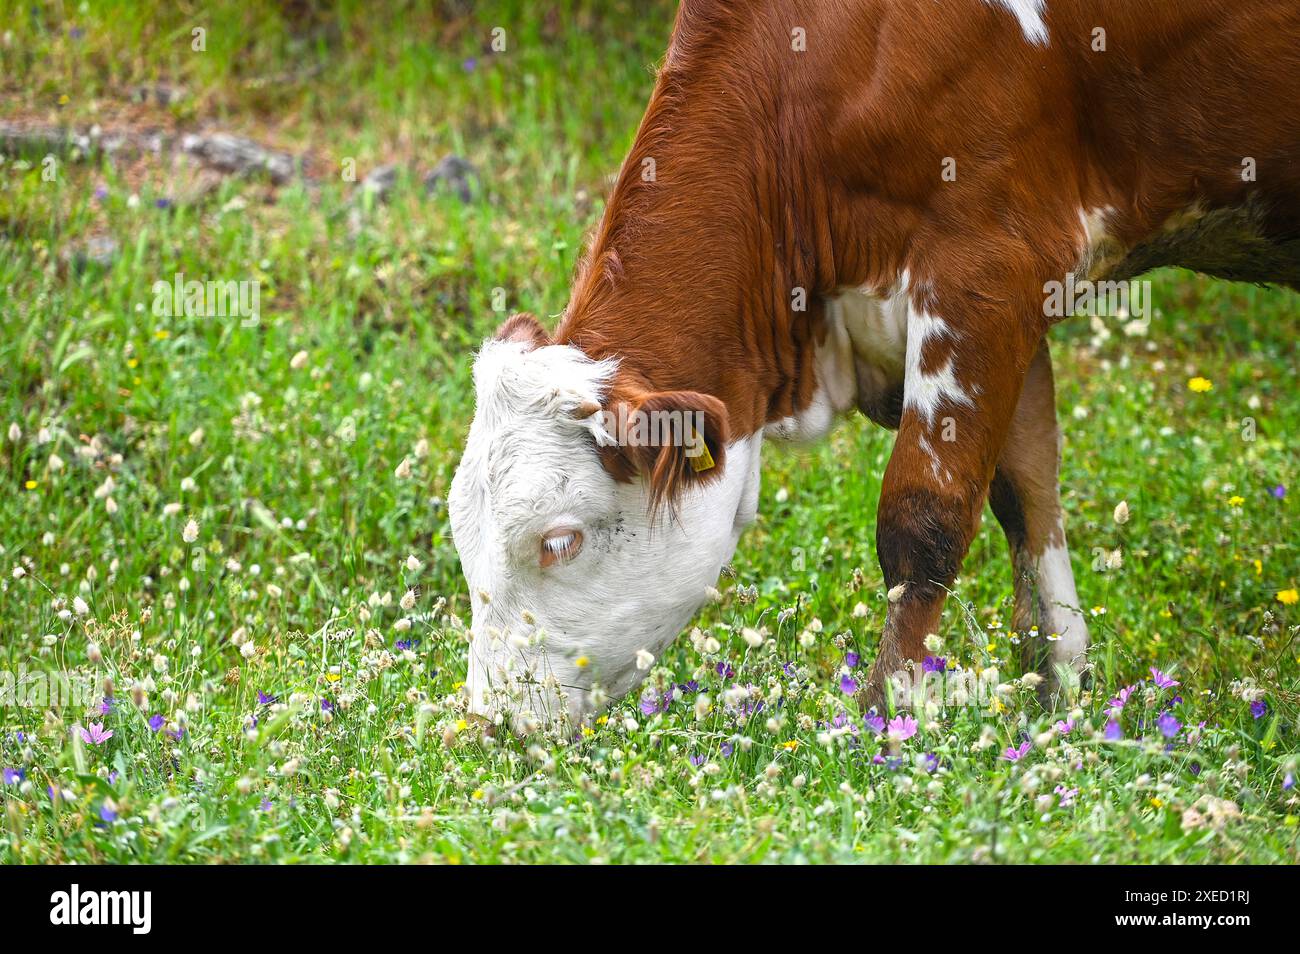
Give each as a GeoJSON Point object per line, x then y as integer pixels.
{"type": "Point", "coordinates": [225, 534]}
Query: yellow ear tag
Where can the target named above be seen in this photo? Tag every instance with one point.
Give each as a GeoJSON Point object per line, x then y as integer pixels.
{"type": "Point", "coordinates": [703, 460]}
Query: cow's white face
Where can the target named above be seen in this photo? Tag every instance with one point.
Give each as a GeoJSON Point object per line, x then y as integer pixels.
{"type": "Point", "coordinates": [569, 575]}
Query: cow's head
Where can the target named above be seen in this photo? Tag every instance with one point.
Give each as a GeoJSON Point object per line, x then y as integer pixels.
{"type": "Point", "coordinates": [591, 519]}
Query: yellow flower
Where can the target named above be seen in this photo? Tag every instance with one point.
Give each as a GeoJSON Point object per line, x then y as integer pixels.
{"type": "Point", "coordinates": [1200, 385]}
{"type": "Point", "coordinates": [461, 725]}
{"type": "Point", "coordinates": [1259, 568]}
{"type": "Point", "coordinates": [991, 648]}
{"type": "Point", "coordinates": [478, 794]}
{"type": "Point", "coordinates": [582, 662]}
{"type": "Point", "coordinates": [457, 685]}
{"type": "Point", "coordinates": [333, 676]}
{"type": "Point", "coordinates": [1236, 500]}
{"type": "Point", "coordinates": [1157, 803]}
{"type": "Point", "coordinates": [162, 334]}
{"type": "Point", "coordinates": [30, 485]}
{"type": "Point", "coordinates": [1289, 597]}
{"type": "Point", "coordinates": [588, 731]}
{"type": "Point", "coordinates": [791, 745]}
{"type": "Point", "coordinates": [602, 720]}
{"type": "Point", "coordinates": [64, 100]}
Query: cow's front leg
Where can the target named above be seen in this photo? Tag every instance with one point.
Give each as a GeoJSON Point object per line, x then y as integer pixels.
{"type": "Point", "coordinates": [965, 366]}
{"type": "Point", "coordinates": [1025, 497]}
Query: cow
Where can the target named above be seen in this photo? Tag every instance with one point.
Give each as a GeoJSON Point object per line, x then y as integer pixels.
{"type": "Point", "coordinates": [854, 205]}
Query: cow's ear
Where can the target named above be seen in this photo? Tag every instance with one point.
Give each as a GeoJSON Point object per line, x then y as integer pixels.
{"type": "Point", "coordinates": [673, 440]}
{"type": "Point", "coordinates": [524, 327]}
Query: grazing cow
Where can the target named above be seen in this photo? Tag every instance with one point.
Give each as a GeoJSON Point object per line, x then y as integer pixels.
{"type": "Point", "coordinates": [856, 204]}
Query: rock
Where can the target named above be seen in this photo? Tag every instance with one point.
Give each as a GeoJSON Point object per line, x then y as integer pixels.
{"type": "Point", "coordinates": [160, 93]}
{"type": "Point", "coordinates": [454, 173]}
{"type": "Point", "coordinates": [98, 250]}
{"type": "Point", "coordinates": [236, 154]}
{"type": "Point", "coordinates": [381, 181]}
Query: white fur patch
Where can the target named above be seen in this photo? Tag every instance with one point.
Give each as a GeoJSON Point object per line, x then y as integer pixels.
{"type": "Point", "coordinates": [836, 386]}
{"type": "Point", "coordinates": [925, 392]}
{"type": "Point", "coordinates": [1030, 15]}
{"type": "Point", "coordinates": [1061, 603]}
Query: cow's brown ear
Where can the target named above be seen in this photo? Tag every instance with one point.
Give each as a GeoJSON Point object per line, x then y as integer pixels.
{"type": "Point", "coordinates": [672, 439]}
{"type": "Point", "coordinates": [524, 327]}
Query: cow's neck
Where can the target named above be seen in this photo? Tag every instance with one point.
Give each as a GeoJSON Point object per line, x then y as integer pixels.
{"type": "Point", "coordinates": [708, 269]}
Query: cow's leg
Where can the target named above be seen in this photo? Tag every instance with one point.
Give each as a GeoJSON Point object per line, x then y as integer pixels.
{"type": "Point", "coordinates": [968, 352]}
{"type": "Point", "coordinates": [1025, 497]}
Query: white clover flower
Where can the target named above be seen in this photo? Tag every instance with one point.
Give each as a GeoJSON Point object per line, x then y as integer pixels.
{"type": "Point", "coordinates": [171, 509]}
{"type": "Point", "coordinates": [403, 471]}
{"type": "Point", "coordinates": [298, 361]}
{"type": "Point", "coordinates": [412, 563]}
{"type": "Point", "coordinates": [55, 463]}
{"type": "Point", "coordinates": [79, 606]}
{"type": "Point", "coordinates": [15, 433]}
{"type": "Point", "coordinates": [407, 602]}
{"type": "Point", "coordinates": [753, 638]}
{"type": "Point", "coordinates": [644, 659]}
{"type": "Point", "coordinates": [1121, 512]}
{"type": "Point", "coordinates": [19, 573]}
{"type": "Point", "coordinates": [191, 531]}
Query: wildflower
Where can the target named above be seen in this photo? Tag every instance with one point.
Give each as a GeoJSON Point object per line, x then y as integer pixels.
{"type": "Point", "coordinates": [191, 531]}
{"type": "Point", "coordinates": [95, 734]}
{"type": "Point", "coordinates": [1067, 795]}
{"type": "Point", "coordinates": [791, 745]}
{"type": "Point", "coordinates": [1199, 385]}
{"type": "Point", "coordinates": [1121, 512]}
{"type": "Point", "coordinates": [413, 565]}
{"type": "Point", "coordinates": [195, 439]}
{"type": "Point", "coordinates": [1168, 725]}
{"type": "Point", "coordinates": [934, 664]}
{"type": "Point", "coordinates": [13, 776]}
{"type": "Point", "coordinates": [79, 606]}
{"type": "Point", "coordinates": [1236, 500]}
{"type": "Point", "coordinates": [298, 361]}
{"type": "Point", "coordinates": [1118, 703]}
{"type": "Point", "coordinates": [1289, 597]}
{"type": "Point", "coordinates": [15, 433]}
{"type": "Point", "coordinates": [851, 660]}
{"type": "Point", "coordinates": [1258, 709]}
{"type": "Point", "coordinates": [896, 592]}
{"type": "Point", "coordinates": [1288, 783]}
{"type": "Point", "coordinates": [644, 659]}
{"type": "Point", "coordinates": [1279, 491]}
{"type": "Point", "coordinates": [1113, 731]}
{"type": "Point", "coordinates": [107, 813]}
{"type": "Point", "coordinates": [1161, 680]}
{"type": "Point", "coordinates": [156, 722]}
{"type": "Point", "coordinates": [1064, 726]}
{"type": "Point", "coordinates": [875, 723]}
{"type": "Point", "coordinates": [848, 685]}
{"type": "Point", "coordinates": [582, 662]}
{"type": "Point", "coordinates": [902, 728]}
{"type": "Point", "coordinates": [403, 470]}
{"type": "Point", "coordinates": [1015, 754]}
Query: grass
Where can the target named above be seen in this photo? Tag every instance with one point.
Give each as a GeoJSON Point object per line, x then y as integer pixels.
{"type": "Point", "coordinates": [280, 441]}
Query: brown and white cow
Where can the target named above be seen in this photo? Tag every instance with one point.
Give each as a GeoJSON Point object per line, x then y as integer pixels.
{"type": "Point", "coordinates": [841, 205]}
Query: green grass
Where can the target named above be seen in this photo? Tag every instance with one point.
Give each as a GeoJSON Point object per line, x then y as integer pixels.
{"type": "Point", "coordinates": [305, 532]}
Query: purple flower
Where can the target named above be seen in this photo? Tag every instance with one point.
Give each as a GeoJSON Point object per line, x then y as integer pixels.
{"type": "Point", "coordinates": [1067, 795]}
{"type": "Point", "coordinates": [106, 706]}
{"type": "Point", "coordinates": [727, 748]}
{"type": "Point", "coordinates": [265, 805]}
{"type": "Point", "coordinates": [1161, 680]}
{"type": "Point", "coordinates": [176, 734]}
{"type": "Point", "coordinates": [1113, 731]}
{"type": "Point", "coordinates": [326, 706]}
{"type": "Point", "coordinates": [1168, 725]}
{"type": "Point", "coordinates": [902, 728]}
{"type": "Point", "coordinates": [931, 763]}
{"type": "Point", "coordinates": [725, 671]}
{"type": "Point", "coordinates": [106, 813]}
{"type": "Point", "coordinates": [95, 734]}
{"type": "Point", "coordinates": [163, 203]}
{"type": "Point", "coordinates": [1288, 783]}
{"type": "Point", "coordinates": [470, 64]}
{"type": "Point", "coordinates": [697, 760]}
{"type": "Point", "coordinates": [848, 685]}
{"type": "Point", "coordinates": [13, 776]}
{"type": "Point", "coordinates": [851, 659]}
{"type": "Point", "coordinates": [263, 699]}
{"type": "Point", "coordinates": [76, 32]}
{"type": "Point", "coordinates": [875, 723]}
{"type": "Point", "coordinates": [404, 644]}
{"type": "Point", "coordinates": [1064, 726]}
{"type": "Point", "coordinates": [1012, 754]}
{"type": "Point", "coordinates": [101, 193]}
{"type": "Point", "coordinates": [1259, 709]}
{"type": "Point", "coordinates": [156, 722]}
{"type": "Point", "coordinates": [1121, 700]}
{"type": "Point", "coordinates": [1279, 491]}
{"type": "Point", "coordinates": [934, 664]}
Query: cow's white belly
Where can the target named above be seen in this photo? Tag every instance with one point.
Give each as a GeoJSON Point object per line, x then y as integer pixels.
{"type": "Point", "coordinates": [860, 364]}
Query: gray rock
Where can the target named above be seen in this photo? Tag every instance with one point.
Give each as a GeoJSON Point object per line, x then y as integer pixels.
{"type": "Point", "coordinates": [380, 181]}
{"type": "Point", "coordinates": [235, 154]}
{"type": "Point", "coordinates": [454, 173]}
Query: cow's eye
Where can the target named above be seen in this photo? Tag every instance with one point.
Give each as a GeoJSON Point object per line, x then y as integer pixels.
{"type": "Point", "coordinates": [560, 545]}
